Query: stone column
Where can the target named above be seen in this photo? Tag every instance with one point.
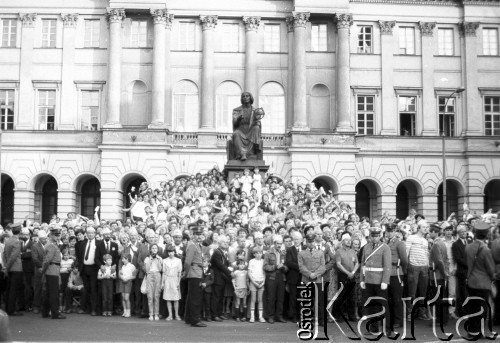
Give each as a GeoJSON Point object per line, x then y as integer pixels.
{"type": "Point", "coordinates": [389, 114]}
{"type": "Point", "coordinates": [344, 124]}
{"type": "Point", "coordinates": [472, 126]}
{"type": "Point", "coordinates": [289, 99]}
{"type": "Point", "coordinates": [158, 101]}
{"type": "Point", "coordinates": [66, 202]}
{"type": "Point", "coordinates": [68, 121]}
{"type": "Point", "coordinates": [168, 71]}
{"type": "Point", "coordinates": [24, 205]}
{"type": "Point", "coordinates": [25, 119]}
{"type": "Point", "coordinates": [207, 122]}
{"type": "Point", "coordinates": [300, 20]}
{"type": "Point", "coordinates": [115, 19]}
{"type": "Point", "coordinates": [429, 121]}
{"type": "Point", "coordinates": [251, 47]}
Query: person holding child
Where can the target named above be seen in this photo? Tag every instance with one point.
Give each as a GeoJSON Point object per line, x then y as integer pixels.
{"type": "Point", "coordinates": [172, 270]}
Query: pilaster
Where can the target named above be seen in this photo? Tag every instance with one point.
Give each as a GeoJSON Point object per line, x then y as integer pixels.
{"type": "Point", "coordinates": [68, 115]}
{"type": "Point", "coordinates": [389, 113]}
{"type": "Point", "coordinates": [300, 20]}
{"type": "Point", "coordinates": [251, 45]}
{"type": "Point", "coordinates": [429, 120]}
{"type": "Point", "coordinates": [344, 123]}
{"type": "Point", "coordinates": [207, 122]}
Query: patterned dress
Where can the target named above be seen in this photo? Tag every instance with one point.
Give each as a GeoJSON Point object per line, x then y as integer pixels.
{"type": "Point", "coordinates": [172, 267]}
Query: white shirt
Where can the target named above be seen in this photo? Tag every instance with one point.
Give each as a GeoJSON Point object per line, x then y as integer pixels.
{"type": "Point", "coordinates": [91, 259]}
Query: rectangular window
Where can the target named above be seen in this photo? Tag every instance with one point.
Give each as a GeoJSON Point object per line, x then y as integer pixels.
{"type": "Point", "coordinates": [319, 37]}
{"type": "Point", "coordinates": [187, 34]}
{"type": "Point", "coordinates": [138, 34]}
{"type": "Point", "coordinates": [407, 40]}
{"type": "Point", "coordinates": [49, 33]}
{"type": "Point", "coordinates": [90, 110]}
{"type": "Point", "coordinates": [366, 113]}
{"type": "Point", "coordinates": [445, 42]}
{"type": "Point", "coordinates": [447, 116]}
{"type": "Point", "coordinates": [492, 115]}
{"type": "Point", "coordinates": [231, 38]}
{"type": "Point", "coordinates": [46, 109]}
{"type": "Point", "coordinates": [271, 38]}
{"type": "Point", "coordinates": [407, 115]}
{"type": "Point", "coordinates": [92, 33]}
{"type": "Point", "coordinates": [490, 42]}
{"type": "Point", "coordinates": [9, 33]}
{"type": "Point", "coordinates": [7, 109]}
{"type": "Point", "coordinates": [365, 39]}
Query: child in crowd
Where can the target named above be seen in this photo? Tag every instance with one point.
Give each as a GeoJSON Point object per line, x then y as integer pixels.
{"type": "Point", "coordinates": [72, 249]}
{"type": "Point", "coordinates": [127, 274]}
{"type": "Point", "coordinates": [240, 290]}
{"type": "Point", "coordinates": [107, 275]}
{"type": "Point", "coordinates": [206, 285]}
{"type": "Point", "coordinates": [257, 278]}
{"type": "Point", "coordinates": [153, 265]}
{"type": "Point", "coordinates": [74, 288]}
{"type": "Point", "coordinates": [172, 269]}
{"type": "Point", "coordinates": [66, 263]}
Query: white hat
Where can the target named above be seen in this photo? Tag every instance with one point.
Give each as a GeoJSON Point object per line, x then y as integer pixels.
{"type": "Point", "coordinates": [42, 234]}
{"type": "Point", "coordinates": [25, 231]}
{"type": "Point", "coordinates": [346, 235]}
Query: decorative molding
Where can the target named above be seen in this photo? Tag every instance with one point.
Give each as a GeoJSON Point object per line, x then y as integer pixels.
{"type": "Point", "coordinates": [28, 19]}
{"type": "Point", "coordinates": [251, 23]}
{"type": "Point", "coordinates": [300, 19]}
{"type": "Point", "coordinates": [427, 28]}
{"type": "Point", "coordinates": [69, 19]}
{"type": "Point", "coordinates": [415, 2]}
{"type": "Point", "coordinates": [481, 2]}
{"type": "Point", "coordinates": [208, 22]}
{"type": "Point", "coordinates": [115, 15]}
{"type": "Point", "coordinates": [386, 27]}
{"type": "Point", "coordinates": [289, 23]}
{"type": "Point", "coordinates": [343, 20]}
{"type": "Point", "coordinates": [161, 16]}
{"type": "Point", "coordinates": [468, 28]}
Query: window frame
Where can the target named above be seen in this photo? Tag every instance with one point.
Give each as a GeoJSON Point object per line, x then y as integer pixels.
{"type": "Point", "coordinates": [180, 36]}
{"type": "Point", "coordinates": [365, 112]}
{"type": "Point", "coordinates": [138, 43]}
{"type": "Point", "coordinates": [4, 123]}
{"type": "Point", "coordinates": [444, 115]}
{"type": "Point", "coordinates": [185, 117]}
{"type": "Point", "coordinates": [47, 107]}
{"type": "Point", "coordinates": [92, 44]}
{"type": "Point", "coordinates": [82, 86]}
{"type": "Point", "coordinates": [12, 33]}
{"type": "Point", "coordinates": [273, 99]}
{"type": "Point", "coordinates": [487, 51]}
{"type": "Point", "coordinates": [493, 114]}
{"type": "Point", "coordinates": [443, 49]}
{"type": "Point", "coordinates": [413, 114]}
{"type": "Point", "coordinates": [403, 29]}
{"type": "Point", "coordinates": [228, 45]}
{"type": "Point", "coordinates": [47, 42]}
{"type": "Point", "coordinates": [322, 44]}
{"type": "Point", "coordinates": [270, 47]}
{"type": "Point", "coordinates": [364, 48]}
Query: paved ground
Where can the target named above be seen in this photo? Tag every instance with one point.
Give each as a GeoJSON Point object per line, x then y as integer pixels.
{"type": "Point", "coordinates": [80, 328]}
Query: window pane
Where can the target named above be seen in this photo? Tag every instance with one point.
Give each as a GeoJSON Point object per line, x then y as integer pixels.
{"type": "Point", "coordinates": [271, 37]}
{"type": "Point", "coordinates": [231, 37]}
{"type": "Point", "coordinates": [92, 33]}
{"type": "Point", "coordinates": [186, 39]}
{"type": "Point", "coordinates": [49, 33]}
{"type": "Point", "coordinates": [445, 42]}
{"type": "Point", "coordinates": [9, 32]}
{"type": "Point", "coordinates": [319, 37]}
{"type": "Point", "coordinates": [492, 115]}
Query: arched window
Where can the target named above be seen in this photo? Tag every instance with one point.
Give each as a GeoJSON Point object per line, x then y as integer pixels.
{"type": "Point", "coordinates": [138, 106]}
{"type": "Point", "coordinates": [49, 199]}
{"type": "Point", "coordinates": [319, 107]}
{"type": "Point", "coordinates": [227, 97]}
{"type": "Point", "coordinates": [272, 100]}
{"type": "Point", "coordinates": [91, 197]}
{"type": "Point", "coordinates": [186, 106]}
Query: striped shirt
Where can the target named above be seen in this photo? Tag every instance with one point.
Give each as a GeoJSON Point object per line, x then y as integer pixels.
{"type": "Point", "coordinates": [418, 251]}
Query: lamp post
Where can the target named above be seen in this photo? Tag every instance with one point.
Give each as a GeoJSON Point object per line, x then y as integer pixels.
{"type": "Point", "coordinates": [456, 91]}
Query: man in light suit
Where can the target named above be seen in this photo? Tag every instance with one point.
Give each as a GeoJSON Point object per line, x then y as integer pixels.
{"type": "Point", "coordinates": [193, 270]}
{"type": "Point", "coordinates": [14, 268]}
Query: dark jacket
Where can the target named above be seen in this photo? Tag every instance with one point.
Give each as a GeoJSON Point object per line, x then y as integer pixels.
{"type": "Point", "coordinates": [26, 257]}
{"type": "Point", "coordinates": [459, 256]}
{"type": "Point", "coordinates": [292, 263]}
{"type": "Point", "coordinates": [220, 266]}
{"type": "Point", "coordinates": [208, 279]}
{"type": "Point", "coordinates": [481, 265]}
{"type": "Point", "coordinates": [100, 251]}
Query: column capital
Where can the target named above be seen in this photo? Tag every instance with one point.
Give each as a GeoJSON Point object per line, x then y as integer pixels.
{"type": "Point", "coordinates": [28, 19]}
{"type": "Point", "coordinates": [427, 28]}
{"type": "Point", "coordinates": [161, 16]}
{"type": "Point", "coordinates": [343, 20]}
{"type": "Point", "coordinates": [69, 19]}
{"type": "Point", "coordinates": [468, 28]}
{"type": "Point", "coordinates": [386, 27]}
{"type": "Point", "coordinates": [289, 23]}
{"type": "Point", "coordinates": [300, 19]}
{"type": "Point", "coordinates": [115, 15]}
{"type": "Point", "coordinates": [208, 22]}
{"type": "Point", "coordinates": [251, 23]}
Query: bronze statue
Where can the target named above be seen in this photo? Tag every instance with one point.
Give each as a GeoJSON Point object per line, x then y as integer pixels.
{"type": "Point", "coordinates": [246, 141]}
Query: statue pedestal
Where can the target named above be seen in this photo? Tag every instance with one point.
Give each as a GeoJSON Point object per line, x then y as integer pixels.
{"type": "Point", "coordinates": [236, 166]}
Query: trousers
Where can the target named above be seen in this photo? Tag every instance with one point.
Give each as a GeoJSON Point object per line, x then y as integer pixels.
{"type": "Point", "coordinates": [192, 313]}
{"type": "Point", "coordinates": [15, 290]}
{"type": "Point", "coordinates": [154, 289]}
{"type": "Point", "coordinates": [51, 296]}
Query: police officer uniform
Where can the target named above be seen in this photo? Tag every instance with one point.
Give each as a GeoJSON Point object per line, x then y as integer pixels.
{"type": "Point", "coordinates": [398, 270]}
{"type": "Point", "coordinates": [50, 271]}
{"type": "Point", "coordinates": [376, 265]}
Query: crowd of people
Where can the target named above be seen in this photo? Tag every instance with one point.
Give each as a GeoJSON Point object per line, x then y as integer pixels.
{"type": "Point", "coordinates": [205, 248]}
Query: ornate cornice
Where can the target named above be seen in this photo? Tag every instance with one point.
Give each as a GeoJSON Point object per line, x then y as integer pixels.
{"type": "Point", "coordinates": [468, 28]}
{"type": "Point", "coordinates": [161, 16]}
{"type": "Point", "coordinates": [69, 19]}
{"type": "Point", "coordinates": [386, 27]}
{"type": "Point", "coordinates": [289, 23]}
{"type": "Point", "coordinates": [208, 22]}
{"type": "Point", "coordinates": [300, 19]}
{"type": "Point", "coordinates": [413, 2]}
{"type": "Point", "coordinates": [343, 20]}
{"type": "Point", "coordinates": [427, 28]}
{"type": "Point", "coordinates": [115, 15]}
{"type": "Point", "coordinates": [251, 23]}
{"type": "Point", "coordinates": [28, 19]}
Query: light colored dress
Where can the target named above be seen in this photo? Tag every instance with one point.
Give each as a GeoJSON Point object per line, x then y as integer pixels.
{"type": "Point", "coordinates": [257, 184]}
{"type": "Point", "coordinates": [172, 268]}
{"type": "Point", "coordinates": [246, 184]}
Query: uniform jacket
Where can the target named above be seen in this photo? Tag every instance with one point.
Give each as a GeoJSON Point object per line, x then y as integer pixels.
{"type": "Point", "coordinates": [12, 254]}
{"type": "Point", "coordinates": [380, 259]}
{"type": "Point", "coordinates": [220, 265]}
{"type": "Point", "coordinates": [193, 262]}
{"type": "Point", "coordinates": [52, 255]}
{"type": "Point", "coordinates": [271, 263]}
{"type": "Point", "coordinates": [311, 262]}
{"type": "Point", "coordinates": [482, 271]}
{"type": "Point", "coordinates": [438, 256]}
{"type": "Point", "coordinates": [398, 252]}
{"type": "Point", "coordinates": [460, 258]}
{"type": "Point", "coordinates": [292, 263]}
{"type": "Point", "coordinates": [26, 256]}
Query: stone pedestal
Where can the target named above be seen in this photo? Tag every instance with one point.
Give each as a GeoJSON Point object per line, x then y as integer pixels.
{"type": "Point", "coordinates": [236, 166]}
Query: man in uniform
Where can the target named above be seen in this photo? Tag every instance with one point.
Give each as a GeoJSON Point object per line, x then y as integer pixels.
{"type": "Point", "coordinates": [398, 270]}
{"type": "Point", "coordinates": [376, 265]}
{"type": "Point", "coordinates": [14, 269]}
{"type": "Point", "coordinates": [480, 273]}
{"type": "Point", "coordinates": [194, 271]}
{"type": "Point", "coordinates": [312, 267]}
{"type": "Point", "coordinates": [50, 271]}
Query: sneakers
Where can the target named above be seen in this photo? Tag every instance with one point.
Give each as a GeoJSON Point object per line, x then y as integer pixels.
{"type": "Point", "coordinates": [169, 318]}
{"type": "Point", "coordinates": [151, 317]}
{"type": "Point", "coordinates": [156, 317]}
{"type": "Point", "coordinates": [262, 320]}
{"type": "Point", "coordinates": [178, 318]}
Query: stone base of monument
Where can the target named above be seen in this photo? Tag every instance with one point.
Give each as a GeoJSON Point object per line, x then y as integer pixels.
{"type": "Point", "coordinates": [236, 166]}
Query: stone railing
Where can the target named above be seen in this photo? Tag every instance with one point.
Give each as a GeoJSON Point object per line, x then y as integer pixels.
{"type": "Point", "coordinates": [269, 140]}
{"type": "Point", "coordinates": [184, 138]}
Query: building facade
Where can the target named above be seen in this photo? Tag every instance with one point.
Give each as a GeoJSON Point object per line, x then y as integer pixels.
{"type": "Point", "coordinates": [359, 94]}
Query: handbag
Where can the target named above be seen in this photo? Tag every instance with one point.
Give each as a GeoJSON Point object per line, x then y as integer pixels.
{"type": "Point", "coordinates": [144, 286]}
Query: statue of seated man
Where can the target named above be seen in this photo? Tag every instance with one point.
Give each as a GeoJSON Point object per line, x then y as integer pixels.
{"type": "Point", "coordinates": [246, 140]}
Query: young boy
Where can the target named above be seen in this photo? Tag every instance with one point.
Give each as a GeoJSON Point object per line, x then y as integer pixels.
{"type": "Point", "coordinates": [75, 288]}
{"type": "Point", "coordinates": [107, 275]}
{"type": "Point", "coordinates": [206, 285]}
